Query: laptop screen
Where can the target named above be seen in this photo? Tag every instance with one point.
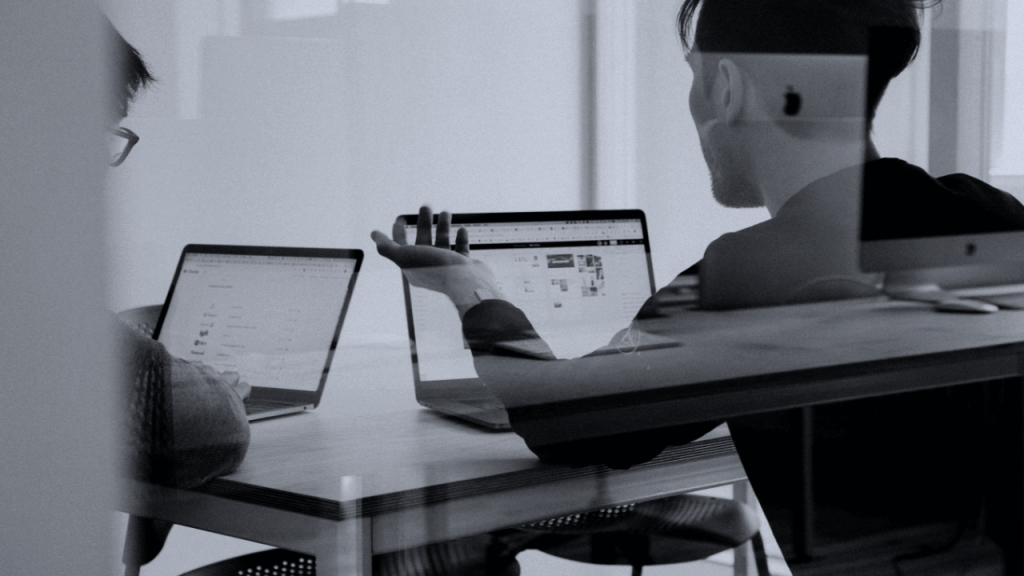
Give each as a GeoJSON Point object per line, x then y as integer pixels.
{"type": "Point", "coordinates": [273, 319]}
{"type": "Point", "coordinates": [578, 281]}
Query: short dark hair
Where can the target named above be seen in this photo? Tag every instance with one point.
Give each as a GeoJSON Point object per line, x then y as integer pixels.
{"type": "Point", "coordinates": [130, 74]}
{"type": "Point", "coordinates": [812, 27]}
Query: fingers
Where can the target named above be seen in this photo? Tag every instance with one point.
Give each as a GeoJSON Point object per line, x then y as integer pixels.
{"type": "Point", "coordinates": [396, 249]}
{"type": "Point", "coordinates": [462, 242]}
{"type": "Point", "coordinates": [234, 380]}
{"type": "Point", "coordinates": [403, 255]}
{"type": "Point", "coordinates": [398, 231]}
{"type": "Point", "coordinates": [244, 390]}
{"type": "Point", "coordinates": [423, 225]}
{"type": "Point", "coordinates": [444, 226]}
{"type": "Point", "coordinates": [385, 246]}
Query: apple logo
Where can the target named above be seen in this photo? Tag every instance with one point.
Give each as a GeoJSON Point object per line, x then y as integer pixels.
{"type": "Point", "coordinates": [971, 248]}
{"type": "Point", "coordinates": [792, 102]}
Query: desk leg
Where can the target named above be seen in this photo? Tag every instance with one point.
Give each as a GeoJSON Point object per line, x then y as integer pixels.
{"type": "Point", "coordinates": [803, 523]}
{"type": "Point", "coordinates": [1015, 554]}
{"type": "Point", "coordinates": [346, 552]}
{"type": "Point", "coordinates": [1004, 485]}
{"type": "Point", "coordinates": [1011, 469]}
{"type": "Point", "coordinates": [745, 562]}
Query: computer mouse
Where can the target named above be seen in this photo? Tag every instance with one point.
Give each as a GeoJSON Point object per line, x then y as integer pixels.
{"type": "Point", "coordinates": [969, 306]}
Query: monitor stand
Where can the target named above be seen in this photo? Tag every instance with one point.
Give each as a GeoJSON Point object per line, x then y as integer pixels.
{"type": "Point", "coordinates": [916, 285]}
{"type": "Point", "coordinates": [944, 284]}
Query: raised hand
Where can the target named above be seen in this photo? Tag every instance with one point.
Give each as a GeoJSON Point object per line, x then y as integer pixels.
{"type": "Point", "coordinates": [433, 265]}
{"type": "Point", "coordinates": [424, 253]}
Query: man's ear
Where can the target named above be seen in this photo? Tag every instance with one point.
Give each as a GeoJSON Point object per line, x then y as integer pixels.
{"type": "Point", "coordinates": [732, 94]}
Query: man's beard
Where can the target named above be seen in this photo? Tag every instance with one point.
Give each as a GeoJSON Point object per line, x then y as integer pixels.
{"type": "Point", "coordinates": [729, 185]}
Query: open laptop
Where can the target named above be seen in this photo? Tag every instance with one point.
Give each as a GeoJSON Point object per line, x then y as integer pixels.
{"type": "Point", "coordinates": [271, 314]}
{"type": "Point", "coordinates": [579, 276]}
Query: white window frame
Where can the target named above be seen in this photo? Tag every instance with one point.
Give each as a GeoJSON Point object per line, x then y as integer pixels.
{"type": "Point", "coordinates": [968, 120]}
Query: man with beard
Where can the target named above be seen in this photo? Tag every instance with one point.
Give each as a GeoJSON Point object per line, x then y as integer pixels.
{"type": "Point", "coordinates": [808, 174]}
{"type": "Point", "coordinates": [885, 463]}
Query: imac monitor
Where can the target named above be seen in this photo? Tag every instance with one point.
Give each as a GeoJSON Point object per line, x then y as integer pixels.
{"type": "Point", "coordinates": [926, 261]}
{"type": "Point", "coordinates": [932, 235]}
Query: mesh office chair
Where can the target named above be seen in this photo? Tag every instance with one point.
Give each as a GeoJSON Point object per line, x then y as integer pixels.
{"type": "Point", "coordinates": [457, 557]}
{"type": "Point", "coordinates": [666, 531]}
{"type": "Point", "coordinates": [143, 318]}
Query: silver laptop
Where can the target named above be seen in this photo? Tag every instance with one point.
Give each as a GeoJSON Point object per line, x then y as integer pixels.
{"type": "Point", "coordinates": [579, 276]}
{"type": "Point", "coordinates": [271, 314]}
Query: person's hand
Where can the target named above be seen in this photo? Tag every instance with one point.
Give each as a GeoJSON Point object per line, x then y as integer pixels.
{"type": "Point", "coordinates": [433, 265]}
{"type": "Point", "coordinates": [232, 379]}
{"type": "Point", "coordinates": [243, 389]}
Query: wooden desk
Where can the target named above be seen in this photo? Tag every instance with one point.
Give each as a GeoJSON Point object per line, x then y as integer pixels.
{"type": "Point", "coordinates": [740, 362]}
{"type": "Point", "coordinates": [371, 472]}
{"type": "Point", "coordinates": [371, 462]}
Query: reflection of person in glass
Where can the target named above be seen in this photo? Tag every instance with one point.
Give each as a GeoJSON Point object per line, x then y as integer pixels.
{"type": "Point", "coordinates": [883, 461]}
{"type": "Point", "coordinates": [184, 423]}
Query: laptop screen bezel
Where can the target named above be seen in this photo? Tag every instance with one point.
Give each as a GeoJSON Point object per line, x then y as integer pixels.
{"type": "Point", "coordinates": [427, 390]}
{"type": "Point", "coordinates": [264, 393]}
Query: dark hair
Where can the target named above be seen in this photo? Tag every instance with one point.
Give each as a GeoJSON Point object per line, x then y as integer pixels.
{"type": "Point", "coordinates": [130, 74]}
{"type": "Point", "coordinates": [890, 28]}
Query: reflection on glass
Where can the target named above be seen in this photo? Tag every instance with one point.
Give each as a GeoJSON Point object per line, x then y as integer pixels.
{"type": "Point", "coordinates": [309, 123]}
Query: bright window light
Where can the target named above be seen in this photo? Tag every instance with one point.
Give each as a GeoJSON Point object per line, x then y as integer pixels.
{"type": "Point", "coordinates": [299, 9]}
{"type": "Point", "coordinates": [1010, 159]}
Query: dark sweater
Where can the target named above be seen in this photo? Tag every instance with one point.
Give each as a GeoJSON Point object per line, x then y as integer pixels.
{"type": "Point", "coordinates": [807, 252]}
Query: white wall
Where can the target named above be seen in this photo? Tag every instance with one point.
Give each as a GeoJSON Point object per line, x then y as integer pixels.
{"type": "Point", "coordinates": [1011, 158]}
{"type": "Point", "coordinates": [314, 132]}
{"type": "Point", "coordinates": [902, 120]}
{"type": "Point", "coordinates": [54, 339]}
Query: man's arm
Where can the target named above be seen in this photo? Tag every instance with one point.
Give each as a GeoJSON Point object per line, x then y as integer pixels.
{"type": "Point", "coordinates": [519, 379]}
{"type": "Point", "coordinates": [183, 423]}
{"type": "Point", "coordinates": [513, 361]}
{"type": "Point", "coordinates": [434, 266]}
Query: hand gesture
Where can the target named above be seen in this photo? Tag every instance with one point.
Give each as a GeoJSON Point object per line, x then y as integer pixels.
{"type": "Point", "coordinates": [433, 264]}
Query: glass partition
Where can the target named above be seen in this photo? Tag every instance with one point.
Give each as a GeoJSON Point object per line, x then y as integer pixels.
{"type": "Point", "coordinates": [543, 126]}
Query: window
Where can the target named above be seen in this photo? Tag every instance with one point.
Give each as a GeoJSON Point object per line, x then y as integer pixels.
{"type": "Point", "coordinates": [1008, 138]}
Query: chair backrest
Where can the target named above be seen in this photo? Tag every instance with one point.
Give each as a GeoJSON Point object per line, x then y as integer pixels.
{"type": "Point", "coordinates": [143, 318]}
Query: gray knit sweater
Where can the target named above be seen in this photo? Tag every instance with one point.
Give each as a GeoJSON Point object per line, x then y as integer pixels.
{"type": "Point", "coordinates": [183, 424]}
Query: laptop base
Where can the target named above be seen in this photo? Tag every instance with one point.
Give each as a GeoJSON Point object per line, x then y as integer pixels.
{"type": "Point", "coordinates": [483, 413]}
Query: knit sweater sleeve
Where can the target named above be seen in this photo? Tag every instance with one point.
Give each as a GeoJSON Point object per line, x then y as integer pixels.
{"type": "Point", "coordinates": [183, 423]}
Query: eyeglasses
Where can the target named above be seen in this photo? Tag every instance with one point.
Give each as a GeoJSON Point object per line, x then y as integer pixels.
{"type": "Point", "coordinates": [120, 142]}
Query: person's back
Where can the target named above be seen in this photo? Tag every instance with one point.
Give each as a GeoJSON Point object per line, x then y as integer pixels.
{"type": "Point", "coordinates": [879, 463]}
{"type": "Point", "coordinates": [809, 251]}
